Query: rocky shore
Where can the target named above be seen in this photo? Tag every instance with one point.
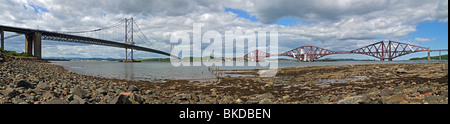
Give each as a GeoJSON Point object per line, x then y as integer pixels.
{"type": "Point", "coordinates": [27, 81]}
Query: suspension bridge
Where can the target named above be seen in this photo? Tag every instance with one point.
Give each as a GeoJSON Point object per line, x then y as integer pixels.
{"type": "Point", "coordinates": [384, 50]}
{"type": "Point", "coordinates": [123, 34]}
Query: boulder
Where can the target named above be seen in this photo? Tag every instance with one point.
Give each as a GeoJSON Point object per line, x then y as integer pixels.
{"type": "Point", "coordinates": [361, 99]}
{"type": "Point", "coordinates": [48, 95]}
{"type": "Point", "coordinates": [80, 92]}
{"type": "Point", "coordinates": [435, 99]}
{"type": "Point", "coordinates": [401, 71]}
{"type": "Point", "coordinates": [265, 101]}
{"type": "Point", "coordinates": [132, 88]}
{"type": "Point", "coordinates": [77, 100]}
{"type": "Point", "coordinates": [11, 93]}
{"type": "Point", "coordinates": [43, 86]}
{"type": "Point", "coordinates": [126, 98]}
{"type": "Point", "coordinates": [24, 84]}
{"type": "Point", "coordinates": [386, 92]}
{"type": "Point", "coordinates": [57, 101]}
{"type": "Point", "coordinates": [395, 99]}
{"type": "Point", "coordinates": [265, 96]}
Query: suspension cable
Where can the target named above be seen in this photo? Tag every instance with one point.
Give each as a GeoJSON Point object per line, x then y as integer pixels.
{"type": "Point", "coordinates": [144, 35]}
{"type": "Point", "coordinates": [95, 30]}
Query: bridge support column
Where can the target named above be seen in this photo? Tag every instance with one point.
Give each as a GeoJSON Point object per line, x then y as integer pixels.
{"type": "Point", "coordinates": [440, 56]}
{"type": "Point", "coordinates": [37, 39]}
{"type": "Point", "coordinates": [29, 44]}
{"type": "Point", "coordinates": [429, 54]}
{"type": "Point", "coordinates": [2, 33]}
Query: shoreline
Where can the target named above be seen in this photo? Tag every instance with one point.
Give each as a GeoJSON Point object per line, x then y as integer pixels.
{"type": "Point", "coordinates": [37, 82]}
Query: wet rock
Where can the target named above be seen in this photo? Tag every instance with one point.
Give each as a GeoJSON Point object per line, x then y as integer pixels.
{"type": "Point", "coordinates": [10, 92]}
{"type": "Point", "coordinates": [18, 100]}
{"type": "Point", "coordinates": [361, 99]}
{"type": "Point", "coordinates": [325, 99]}
{"type": "Point", "coordinates": [80, 92]}
{"type": "Point", "coordinates": [43, 86]}
{"type": "Point", "coordinates": [102, 91]}
{"type": "Point", "coordinates": [126, 98]}
{"type": "Point", "coordinates": [48, 95]}
{"type": "Point", "coordinates": [395, 99]}
{"type": "Point", "coordinates": [388, 74]}
{"type": "Point", "coordinates": [401, 71]}
{"type": "Point", "coordinates": [239, 101]}
{"type": "Point", "coordinates": [226, 100]}
{"type": "Point", "coordinates": [77, 100]}
{"type": "Point", "coordinates": [132, 88]}
{"type": "Point", "coordinates": [386, 92]}
{"type": "Point", "coordinates": [265, 101]}
{"type": "Point", "coordinates": [213, 92]}
{"type": "Point", "coordinates": [424, 90]}
{"type": "Point", "coordinates": [286, 97]}
{"type": "Point", "coordinates": [24, 84]}
{"type": "Point", "coordinates": [253, 101]}
{"type": "Point", "coordinates": [136, 99]}
{"type": "Point", "coordinates": [31, 98]}
{"type": "Point", "coordinates": [57, 101]}
{"type": "Point", "coordinates": [265, 96]}
{"type": "Point", "coordinates": [434, 99]}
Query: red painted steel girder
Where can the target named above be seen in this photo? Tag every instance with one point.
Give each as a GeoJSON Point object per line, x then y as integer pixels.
{"type": "Point", "coordinates": [382, 50]}
{"type": "Point", "coordinates": [308, 53]}
{"type": "Point", "coordinates": [388, 50]}
{"type": "Point", "coordinates": [257, 55]}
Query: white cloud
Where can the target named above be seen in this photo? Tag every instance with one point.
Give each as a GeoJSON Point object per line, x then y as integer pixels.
{"type": "Point", "coordinates": [332, 24]}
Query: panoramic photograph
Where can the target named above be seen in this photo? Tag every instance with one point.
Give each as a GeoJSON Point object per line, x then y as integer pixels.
{"type": "Point", "coordinates": [224, 52]}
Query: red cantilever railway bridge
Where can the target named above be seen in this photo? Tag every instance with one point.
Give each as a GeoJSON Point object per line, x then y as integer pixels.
{"type": "Point", "coordinates": [384, 50]}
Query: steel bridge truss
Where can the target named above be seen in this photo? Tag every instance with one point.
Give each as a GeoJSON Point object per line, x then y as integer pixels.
{"type": "Point", "coordinates": [384, 50]}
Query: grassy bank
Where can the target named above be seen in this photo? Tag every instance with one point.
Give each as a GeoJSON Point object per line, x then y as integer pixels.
{"type": "Point", "coordinates": [444, 57]}
{"type": "Point", "coordinates": [15, 54]}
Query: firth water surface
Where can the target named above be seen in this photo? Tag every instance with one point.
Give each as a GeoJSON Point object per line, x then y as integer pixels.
{"type": "Point", "coordinates": [159, 71]}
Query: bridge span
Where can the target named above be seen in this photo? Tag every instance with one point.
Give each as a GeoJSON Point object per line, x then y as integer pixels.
{"type": "Point", "coordinates": [384, 50]}
{"type": "Point", "coordinates": [34, 37]}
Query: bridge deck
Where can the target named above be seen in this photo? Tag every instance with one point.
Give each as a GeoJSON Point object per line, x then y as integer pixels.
{"type": "Point", "coordinates": [55, 36]}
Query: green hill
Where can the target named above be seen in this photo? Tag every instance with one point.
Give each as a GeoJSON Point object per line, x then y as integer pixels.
{"type": "Point", "coordinates": [444, 57]}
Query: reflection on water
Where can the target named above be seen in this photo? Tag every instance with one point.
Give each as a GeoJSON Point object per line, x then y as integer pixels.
{"type": "Point", "coordinates": [159, 71]}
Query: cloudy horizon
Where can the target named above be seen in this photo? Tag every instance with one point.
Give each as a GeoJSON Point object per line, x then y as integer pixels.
{"type": "Point", "coordinates": [339, 25]}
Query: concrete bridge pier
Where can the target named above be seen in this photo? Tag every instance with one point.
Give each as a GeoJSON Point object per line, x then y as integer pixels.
{"type": "Point", "coordinates": [33, 43]}
{"type": "Point", "coordinates": [2, 33]}
{"type": "Point", "coordinates": [29, 44]}
{"type": "Point", "coordinates": [384, 59]}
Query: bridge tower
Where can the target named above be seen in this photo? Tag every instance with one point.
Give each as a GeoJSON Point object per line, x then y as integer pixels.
{"type": "Point", "coordinates": [129, 39]}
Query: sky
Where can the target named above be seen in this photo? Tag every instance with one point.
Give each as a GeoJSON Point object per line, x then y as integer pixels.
{"type": "Point", "coordinates": [339, 25]}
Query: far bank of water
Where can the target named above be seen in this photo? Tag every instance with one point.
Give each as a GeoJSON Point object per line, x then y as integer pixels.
{"type": "Point", "coordinates": [159, 71]}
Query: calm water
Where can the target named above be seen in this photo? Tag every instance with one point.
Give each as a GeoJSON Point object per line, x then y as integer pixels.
{"type": "Point", "coordinates": [159, 71]}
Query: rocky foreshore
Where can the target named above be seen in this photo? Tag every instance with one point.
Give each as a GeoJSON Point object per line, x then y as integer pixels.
{"type": "Point", "coordinates": [28, 81]}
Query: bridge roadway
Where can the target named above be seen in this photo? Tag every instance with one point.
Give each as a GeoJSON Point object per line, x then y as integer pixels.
{"type": "Point", "coordinates": [33, 40]}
